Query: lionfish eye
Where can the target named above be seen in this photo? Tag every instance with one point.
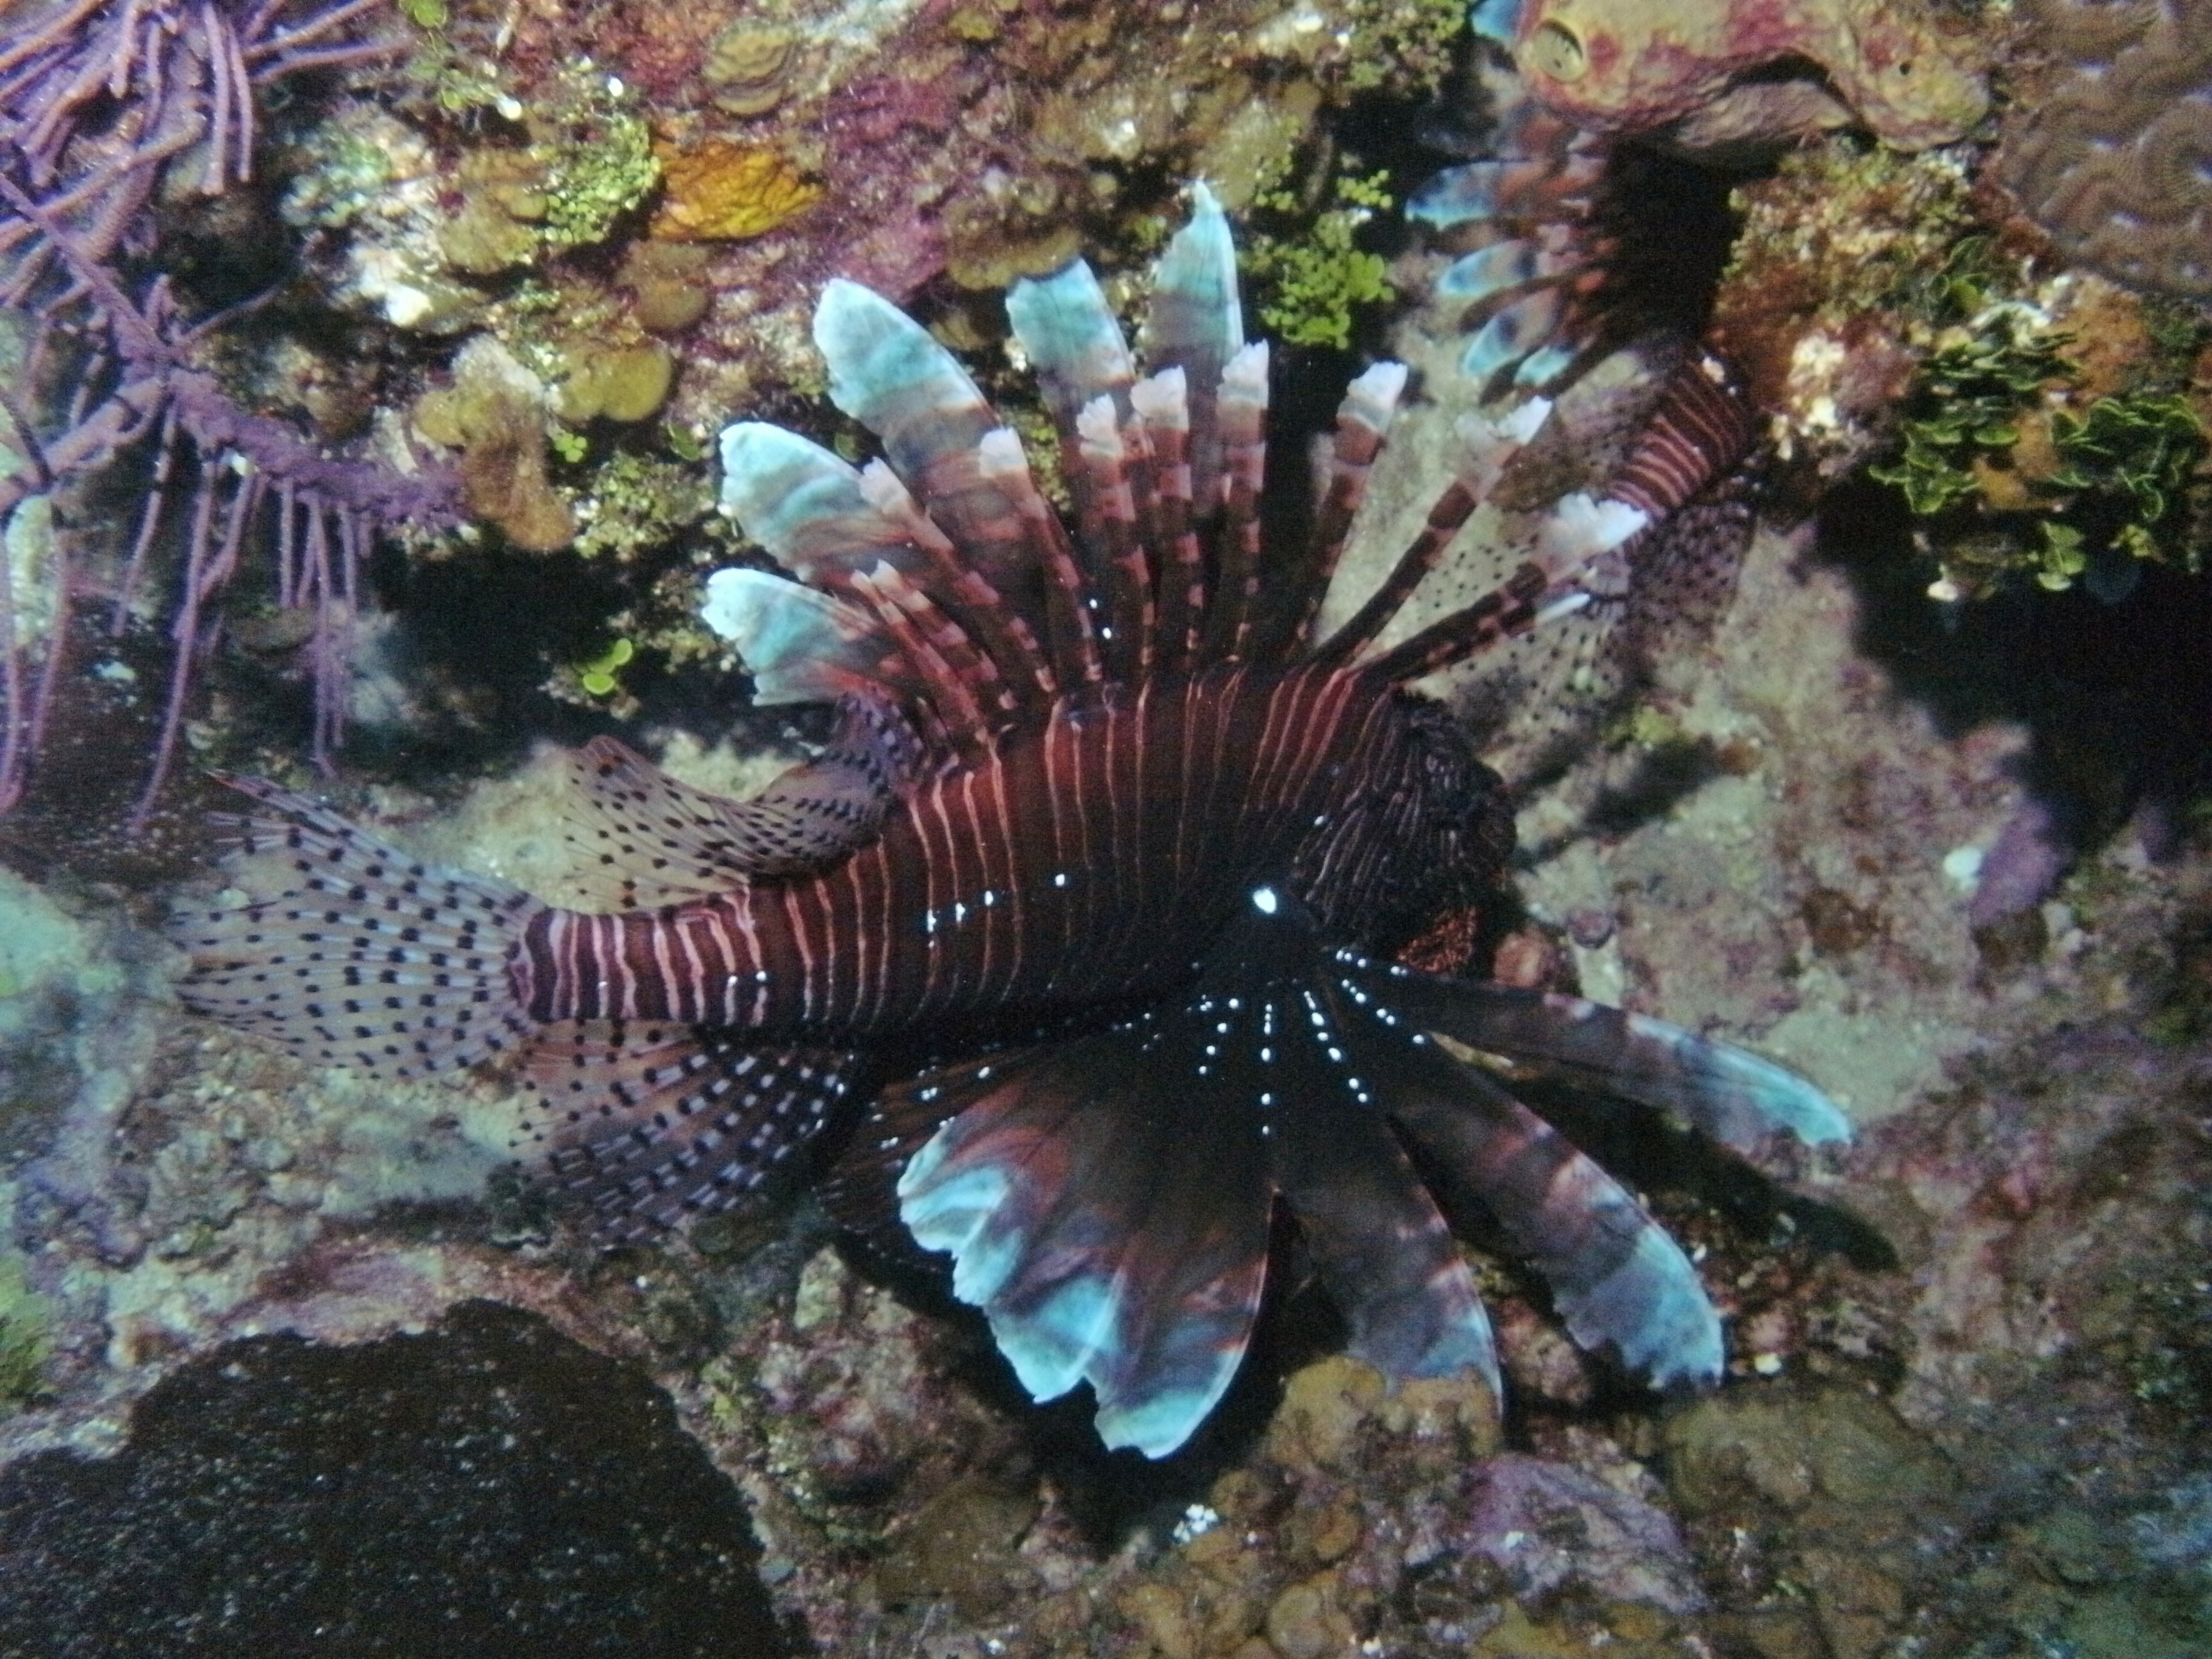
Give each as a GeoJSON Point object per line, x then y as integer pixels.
{"type": "Point", "coordinates": [1556, 51]}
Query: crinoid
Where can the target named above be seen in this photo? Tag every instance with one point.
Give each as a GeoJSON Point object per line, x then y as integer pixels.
{"type": "Point", "coordinates": [1089, 910]}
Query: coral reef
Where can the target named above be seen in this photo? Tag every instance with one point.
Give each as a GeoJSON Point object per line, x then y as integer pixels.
{"type": "Point", "coordinates": [1952, 858]}
{"type": "Point", "coordinates": [724, 191]}
{"type": "Point", "coordinates": [1727, 72]}
{"type": "Point", "coordinates": [2107, 146]}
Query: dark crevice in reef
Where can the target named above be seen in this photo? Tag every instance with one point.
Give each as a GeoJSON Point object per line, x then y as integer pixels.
{"type": "Point", "coordinates": [2116, 698]}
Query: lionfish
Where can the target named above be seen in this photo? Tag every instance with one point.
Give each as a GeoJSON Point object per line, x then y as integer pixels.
{"type": "Point", "coordinates": [1087, 909]}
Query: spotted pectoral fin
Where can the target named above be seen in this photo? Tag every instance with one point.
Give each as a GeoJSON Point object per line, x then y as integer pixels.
{"type": "Point", "coordinates": [1111, 1233]}
{"type": "Point", "coordinates": [649, 1124]}
{"type": "Point", "coordinates": [1728, 1093]}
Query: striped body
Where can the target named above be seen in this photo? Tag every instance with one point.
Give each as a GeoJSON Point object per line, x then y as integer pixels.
{"type": "Point", "coordinates": [1094, 857]}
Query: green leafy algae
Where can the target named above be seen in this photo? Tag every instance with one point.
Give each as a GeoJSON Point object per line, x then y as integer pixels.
{"type": "Point", "coordinates": [1310, 287]}
{"type": "Point", "coordinates": [1997, 446]}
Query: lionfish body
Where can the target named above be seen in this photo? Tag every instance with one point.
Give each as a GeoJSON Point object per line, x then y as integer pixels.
{"type": "Point", "coordinates": [1094, 854]}
{"type": "Point", "coordinates": [1099, 855]}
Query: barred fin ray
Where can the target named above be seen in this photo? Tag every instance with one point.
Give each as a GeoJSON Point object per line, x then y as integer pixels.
{"type": "Point", "coordinates": [649, 1124]}
{"type": "Point", "coordinates": [1241, 413]}
{"type": "Point", "coordinates": [997, 630]}
{"type": "Point", "coordinates": [1363, 426]}
{"type": "Point", "coordinates": [1695, 434]}
{"type": "Point", "coordinates": [1517, 186]}
{"type": "Point", "coordinates": [1728, 1093]}
{"type": "Point", "coordinates": [1079, 355]}
{"type": "Point", "coordinates": [802, 645]}
{"type": "Point", "coordinates": [1538, 280]}
{"type": "Point", "coordinates": [1617, 1278]}
{"type": "Point", "coordinates": [1196, 324]}
{"type": "Point", "coordinates": [1161, 403]}
{"type": "Point", "coordinates": [1107, 1237]}
{"type": "Point", "coordinates": [957, 680]}
{"type": "Point", "coordinates": [807, 507]}
{"type": "Point", "coordinates": [830, 524]}
{"type": "Point", "coordinates": [1577, 534]}
{"type": "Point", "coordinates": [1072, 340]}
{"type": "Point", "coordinates": [1377, 1238]}
{"type": "Point", "coordinates": [1503, 268]}
{"type": "Point", "coordinates": [1123, 580]}
{"type": "Point", "coordinates": [1071, 645]}
{"type": "Point", "coordinates": [352, 953]}
{"type": "Point", "coordinates": [889, 374]}
{"type": "Point", "coordinates": [1487, 444]}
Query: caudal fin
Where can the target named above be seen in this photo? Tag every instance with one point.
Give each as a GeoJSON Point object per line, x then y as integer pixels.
{"type": "Point", "coordinates": [352, 953]}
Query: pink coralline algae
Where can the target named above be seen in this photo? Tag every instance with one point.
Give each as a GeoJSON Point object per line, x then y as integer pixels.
{"type": "Point", "coordinates": [2115, 159]}
{"type": "Point", "coordinates": [1709, 69]}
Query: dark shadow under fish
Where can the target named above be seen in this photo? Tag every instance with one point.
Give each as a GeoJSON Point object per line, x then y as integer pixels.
{"type": "Point", "coordinates": [1107, 833]}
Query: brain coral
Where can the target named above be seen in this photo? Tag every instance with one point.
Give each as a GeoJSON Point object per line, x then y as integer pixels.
{"type": "Point", "coordinates": [2116, 160]}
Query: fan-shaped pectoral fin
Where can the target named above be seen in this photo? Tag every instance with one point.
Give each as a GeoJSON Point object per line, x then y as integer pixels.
{"type": "Point", "coordinates": [1109, 1233]}
{"type": "Point", "coordinates": [1727, 1092]}
{"type": "Point", "coordinates": [1617, 1278]}
{"type": "Point", "coordinates": [1383, 1251]}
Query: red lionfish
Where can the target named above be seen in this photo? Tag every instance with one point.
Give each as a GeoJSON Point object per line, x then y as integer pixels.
{"type": "Point", "coordinates": [1108, 838]}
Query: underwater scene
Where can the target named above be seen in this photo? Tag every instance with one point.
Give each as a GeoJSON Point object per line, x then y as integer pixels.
{"type": "Point", "coordinates": [1170, 829]}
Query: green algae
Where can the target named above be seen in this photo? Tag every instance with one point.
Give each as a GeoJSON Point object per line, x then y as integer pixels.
{"type": "Point", "coordinates": [25, 1336]}
{"type": "Point", "coordinates": [2041, 489]}
{"type": "Point", "coordinates": [1313, 285]}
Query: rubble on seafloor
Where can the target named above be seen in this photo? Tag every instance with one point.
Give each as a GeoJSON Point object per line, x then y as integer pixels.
{"type": "Point", "coordinates": [1949, 860]}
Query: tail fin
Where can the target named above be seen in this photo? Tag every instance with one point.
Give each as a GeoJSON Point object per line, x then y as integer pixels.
{"type": "Point", "coordinates": [352, 953]}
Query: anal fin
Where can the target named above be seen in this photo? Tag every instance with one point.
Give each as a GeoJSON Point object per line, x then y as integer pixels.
{"type": "Point", "coordinates": [649, 1124]}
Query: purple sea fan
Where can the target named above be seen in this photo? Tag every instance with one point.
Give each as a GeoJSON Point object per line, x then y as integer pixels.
{"type": "Point", "coordinates": [97, 102]}
{"type": "Point", "coordinates": [1088, 909]}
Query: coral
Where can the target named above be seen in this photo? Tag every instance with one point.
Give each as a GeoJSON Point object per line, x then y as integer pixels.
{"type": "Point", "coordinates": [668, 287]}
{"type": "Point", "coordinates": [1708, 70]}
{"type": "Point", "coordinates": [621, 383]}
{"type": "Point", "coordinates": [93, 119]}
{"type": "Point", "coordinates": [497, 1489]}
{"type": "Point", "coordinates": [722, 190]}
{"type": "Point", "coordinates": [588, 160]}
{"type": "Point", "coordinates": [2109, 155]}
{"type": "Point", "coordinates": [749, 65]}
{"type": "Point", "coordinates": [496, 228]}
{"type": "Point", "coordinates": [496, 414]}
